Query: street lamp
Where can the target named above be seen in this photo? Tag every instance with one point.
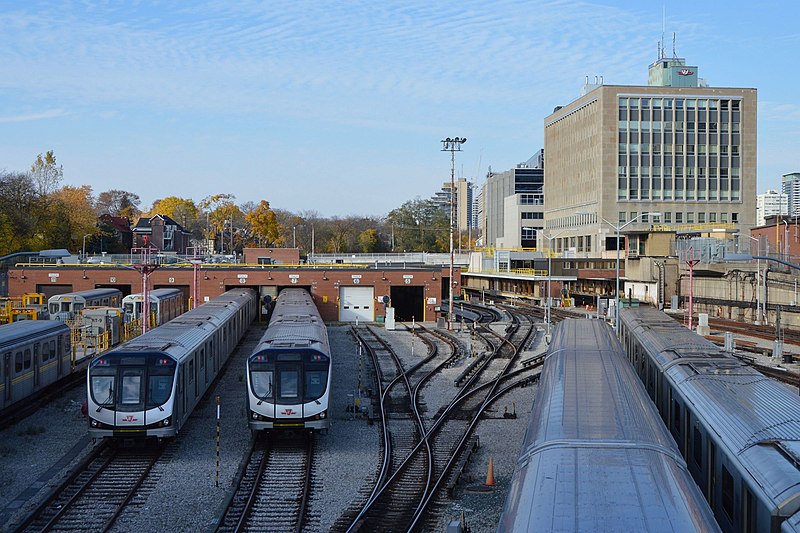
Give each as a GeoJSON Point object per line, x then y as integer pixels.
{"type": "Point", "coordinates": [550, 270]}
{"type": "Point", "coordinates": [618, 228]}
{"type": "Point", "coordinates": [452, 145]}
{"type": "Point", "coordinates": [758, 285]}
{"type": "Point", "coordinates": [294, 235]}
{"type": "Point", "coordinates": [83, 250]}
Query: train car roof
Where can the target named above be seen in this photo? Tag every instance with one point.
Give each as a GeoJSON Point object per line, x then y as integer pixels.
{"type": "Point", "coordinates": [756, 418]}
{"type": "Point", "coordinates": [91, 293]}
{"type": "Point", "coordinates": [155, 293]}
{"type": "Point", "coordinates": [596, 455]}
{"type": "Point", "coordinates": [295, 323]}
{"type": "Point", "coordinates": [24, 330]}
{"type": "Point", "coordinates": [181, 335]}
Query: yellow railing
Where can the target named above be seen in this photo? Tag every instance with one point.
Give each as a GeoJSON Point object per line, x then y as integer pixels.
{"type": "Point", "coordinates": [512, 272]}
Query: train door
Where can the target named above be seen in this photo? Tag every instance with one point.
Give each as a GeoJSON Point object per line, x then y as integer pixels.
{"type": "Point", "coordinates": [37, 367]}
{"type": "Point", "coordinates": [61, 351]}
{"type": "Point", "coordinates": [130, 410]}
{"type": "Point", "coordinates": [7, 377]}
{"type": "Point", "coordinates": [289, 402]}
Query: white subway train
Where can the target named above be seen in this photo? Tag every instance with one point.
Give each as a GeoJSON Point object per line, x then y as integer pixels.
{"type": "Point", "coordinates": [165, 304]}
{"type": "Point", "coordinates": [150, 385]}
{"type": "Point", "coordinates": [68, 306]}
{"type": "Point", "coordinates": [33, 355]}
{"type": "Point", "coordinates": [289, 373]}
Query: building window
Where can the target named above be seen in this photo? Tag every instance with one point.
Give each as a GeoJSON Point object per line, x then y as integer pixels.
{"type": "Point", "coordinates": [621, 217]}
{"type": "Point", "coordinates": [735, 218]}
{"type": "Point", "coordinates": [690, 218]}
{"type": "Point", "coordinates": [667, 217]}
{"type": "Point", "coordinates": [678, 217]}
{"type": "Point", "coordinates": [701, 218]}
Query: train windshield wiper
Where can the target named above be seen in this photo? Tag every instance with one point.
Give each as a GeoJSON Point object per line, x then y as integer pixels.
{"type": "Point", "coordinates": [107, 401]}
{"type": "Point", "coordinates": [267, 396]}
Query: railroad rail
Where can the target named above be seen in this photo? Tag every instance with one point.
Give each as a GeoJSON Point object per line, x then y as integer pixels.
{"type": "Point", "coordinates": [446, 437]}
{"type": "Point", "coordinates": [273, 488]}
{"type": "Point", "coordinates": [96, 492]}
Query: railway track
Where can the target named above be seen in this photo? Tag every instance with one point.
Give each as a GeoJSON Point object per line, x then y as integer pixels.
{"type": "Point", "coordinates": [273, 489]}
{"type": "Point", "coordinates": [393, 503]}
{"type": "Point", "coordinates": [443, 439]}
{"type": "Point", "coordinates": [96, 493]}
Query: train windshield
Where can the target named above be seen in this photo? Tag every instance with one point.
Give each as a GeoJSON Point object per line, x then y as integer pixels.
{"type": "Point", "coordinates": [291, 377]}
{"type": "Point", "coordinates": [132, 383]}
{"type": "Point", "coordinates": [262, 383]}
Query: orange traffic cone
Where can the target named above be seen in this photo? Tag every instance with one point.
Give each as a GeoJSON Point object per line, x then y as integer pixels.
{"type": "Point", "coordinates": [490, 474]}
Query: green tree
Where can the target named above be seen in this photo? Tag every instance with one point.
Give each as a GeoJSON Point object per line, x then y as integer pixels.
{"type": "Point", "coordinates": [420, 226]}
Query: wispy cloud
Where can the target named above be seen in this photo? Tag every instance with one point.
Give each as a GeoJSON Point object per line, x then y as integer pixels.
{"type": "Point", "coordinates": [30, 117]}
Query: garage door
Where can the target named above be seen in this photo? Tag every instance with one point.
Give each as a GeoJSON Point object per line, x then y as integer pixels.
{"type": "Point", "coordinates": [357, 303]}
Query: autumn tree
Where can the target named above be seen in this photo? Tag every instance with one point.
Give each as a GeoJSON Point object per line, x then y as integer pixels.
{"type": "Point", "coordinates": [118, 203]}
{"type": "Point", "coordinates": [72, 217]}
{"type": "Point", "coordinates": [221, 210]}
{"type": "Point", "coordinates": [46, 174]}
{"type": "Point", "coordinates": [368, 241]}
{"type": "Point", "coordinates": [263, 225]}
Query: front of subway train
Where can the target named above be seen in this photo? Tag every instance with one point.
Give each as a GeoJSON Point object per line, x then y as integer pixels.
{"type": "Point", "coordinates": [131, 395]}
{"type": "Point", "coordinates": [288, 388]}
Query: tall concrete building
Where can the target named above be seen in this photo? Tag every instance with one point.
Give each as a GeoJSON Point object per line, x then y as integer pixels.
{"type": "Point", "coordinates": [674, 146]}
{"type": "Point", "coordinates": [514, 207]}
{"type": "Point", "coordinates": [790, 186]}
{"type": "Point", "coordinates": [769, 204]}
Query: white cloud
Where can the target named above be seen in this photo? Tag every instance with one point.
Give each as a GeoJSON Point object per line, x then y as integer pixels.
{"type": "Point", "coordinates": [30, 117]}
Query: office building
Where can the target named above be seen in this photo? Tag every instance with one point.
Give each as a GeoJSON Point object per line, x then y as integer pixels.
{"type": "Point", "coordinates": [769, 204]}
{"type": "Point", "coordinates": [674, 146]}
{"type": "Point", "coordinates": [790, 185]}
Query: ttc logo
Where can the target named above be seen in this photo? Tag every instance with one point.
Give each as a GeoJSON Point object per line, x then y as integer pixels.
{"type": "Point", "coordinates": [288, 412]}
{"type": "Point", "coordinates": [129, 418]}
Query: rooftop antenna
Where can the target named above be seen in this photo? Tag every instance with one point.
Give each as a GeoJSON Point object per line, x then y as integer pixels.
{"type": "Point", "coordinates": [663, 30]}
{"type": "Point", "coordinates": [674, 53]}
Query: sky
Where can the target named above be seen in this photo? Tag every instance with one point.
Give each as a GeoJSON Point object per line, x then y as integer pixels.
{"type": "Point", "coordinates": [340, 107]}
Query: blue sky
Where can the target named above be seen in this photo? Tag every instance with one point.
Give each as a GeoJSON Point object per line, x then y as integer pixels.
{"type": "Point", "coordinates": [339, 107]}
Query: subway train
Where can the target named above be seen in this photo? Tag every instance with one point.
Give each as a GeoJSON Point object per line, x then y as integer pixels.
{"type": "Point", "coordinates": [68, 306]}
{"type": "Point", "coordinates": [35, 354]}
{"type": "Point", "coordinates": [289, 372]}
{"type": "Point", "coordinates": [596, 456]}
{"type": "Point", "coordinates": [165, 304]}
{"type": "Point", "coordinates": [738, 430]}
{"type": "Point", "coordinates": [150, 385]}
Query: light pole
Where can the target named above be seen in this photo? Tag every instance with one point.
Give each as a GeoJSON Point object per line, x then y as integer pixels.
{"type": "Point", "coordinates": [452, 145]}
{"type": "Point", "coordinates": [550, 270]}
{"type": "Point", "coordinates": [758, 274]}
{"type": "Point", "coordinates": [786, 240]}
{"type": "Point", "coordinates": [83, 250]}
{"type": "Point", "coordinates": [618, 228]}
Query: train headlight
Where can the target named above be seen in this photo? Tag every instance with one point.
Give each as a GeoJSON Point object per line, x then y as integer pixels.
{"type": "Point", "coordinates": [323, 414]}
{"type": "Point", "coordinates": [165, 422]}
{"type": "Point", "coordinates": [255, 415]}
{"type": "Point", "coordinates": [94, 423]}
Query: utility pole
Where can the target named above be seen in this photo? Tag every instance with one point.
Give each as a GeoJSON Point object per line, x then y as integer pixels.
{"type": "Point", "coordinates": [452, 145]}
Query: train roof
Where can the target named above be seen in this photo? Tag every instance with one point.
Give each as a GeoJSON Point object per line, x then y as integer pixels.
{"type": "Point", "coordinates": [756, 418]}
{"type": "Point", "coordinates": [295, 323]}
{"type": "Point", "coordinates": [596, 454]}
{"type": "Point", "coordinates": [181, 335]}
{"type": "Point", "coordinates": [155, 294]}
{"type": "Point", "coordinates": [91, 293]}
{"type": "Point", "coordinates": [25, 330]}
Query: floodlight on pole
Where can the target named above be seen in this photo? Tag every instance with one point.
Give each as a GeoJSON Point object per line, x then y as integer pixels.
{"type": "Point", "coordinates": [452, 145]}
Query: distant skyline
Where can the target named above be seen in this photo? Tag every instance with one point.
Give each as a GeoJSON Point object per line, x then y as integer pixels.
{"type": "Point", "coordinates": [340, 108]}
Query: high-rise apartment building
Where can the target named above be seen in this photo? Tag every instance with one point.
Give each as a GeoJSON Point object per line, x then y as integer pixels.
{"type": "Point", "coordinates": [769, 204]}
{"type": "Point", "coordinates": [462, 200]}
{"type": "Point", "coordinates": [674, 147]}
{"type": "Point", "coordinates": [790, 185]}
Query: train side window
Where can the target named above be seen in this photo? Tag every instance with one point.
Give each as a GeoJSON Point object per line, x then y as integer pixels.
{"type": "Point", "coordinates": [676, 415]}
{"type": "Point", "coordinates": [191, 371]}
{"type": "Point", "coordinates": [27, 360]}
{"type": "Point", "coordinates": [36, 352]}
{"type": "Point", "coordinates": [697, 451]}
{"type": "Point", "coordinates": [46, 351]}
{"type": "Point", "coordinates": [202, 357]}
{"type": "Point", "coordinates": [727, 492]}
{"type": "Point", "coordinates": [18, 362]}
{"type": "Point", "coordinates": [53, 349]}
{"type": "Point", "coordinates": [749, 519]}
